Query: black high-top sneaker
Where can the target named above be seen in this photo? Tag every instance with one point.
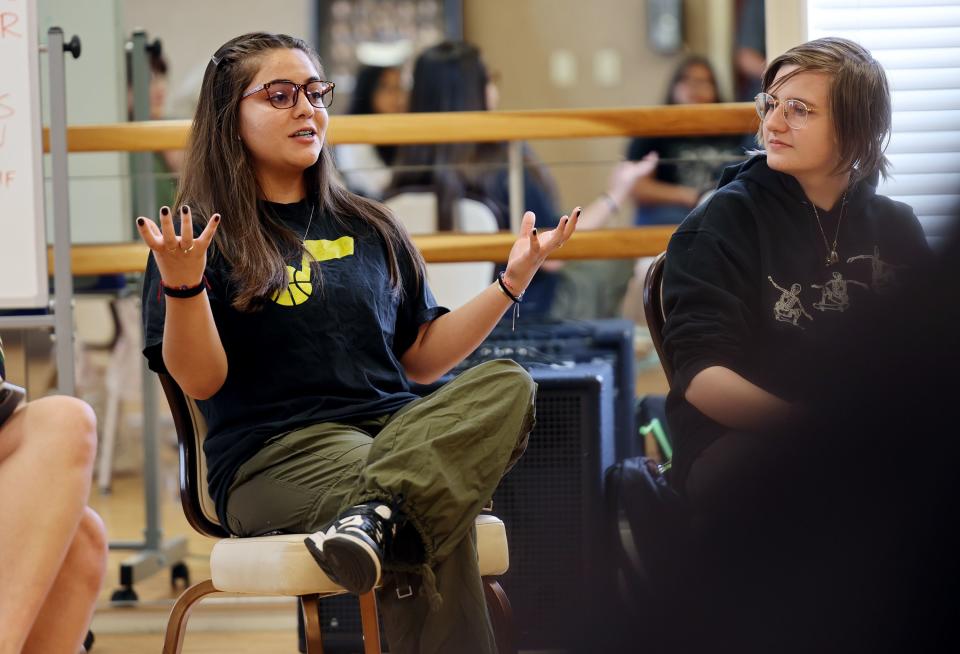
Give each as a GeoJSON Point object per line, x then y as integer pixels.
{"type": "Point", "coordinates": [350, 550]}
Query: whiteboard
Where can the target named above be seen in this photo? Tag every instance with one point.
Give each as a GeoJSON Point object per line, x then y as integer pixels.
{"type": "Point", "coordinates": [23, 247]}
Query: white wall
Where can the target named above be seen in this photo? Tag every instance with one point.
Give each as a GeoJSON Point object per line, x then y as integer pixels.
{"type": "Point", "coordinates": [785, 25]}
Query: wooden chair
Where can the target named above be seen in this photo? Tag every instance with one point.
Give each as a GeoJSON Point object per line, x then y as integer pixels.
{"type": "Point", "coordinates": [281, 565]}
{"type": "Point", "coordinates": [653, 309]}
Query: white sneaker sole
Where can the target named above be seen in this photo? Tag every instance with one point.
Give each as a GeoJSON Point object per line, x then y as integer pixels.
{"type": "Point", "coordinates": [348, 560]}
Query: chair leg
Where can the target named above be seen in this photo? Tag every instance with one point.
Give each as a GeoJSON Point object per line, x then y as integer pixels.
{"type": "Point", "coordinates": [370, 622]}
{"type": "Point", "coordinates": [177, 624]}
{"type": "Point", "coordinates": [501, 615]}
{"type": "Point", "coordinates": [310, 606]}
{"type": "Point", "coordinates": [109, 428]}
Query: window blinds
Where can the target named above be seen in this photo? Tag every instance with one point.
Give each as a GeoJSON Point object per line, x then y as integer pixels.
{"type": "Point", "coordinates": [918, 43]}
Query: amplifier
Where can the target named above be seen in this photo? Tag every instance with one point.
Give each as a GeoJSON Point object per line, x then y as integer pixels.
{"type": "Point", "coordinates": [562, 343]}
{"type": "Point", "coordinates": [552, 506]}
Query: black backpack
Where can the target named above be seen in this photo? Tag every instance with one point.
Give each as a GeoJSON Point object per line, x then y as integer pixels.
{"type": "Point", "coordinates": [647, 516]}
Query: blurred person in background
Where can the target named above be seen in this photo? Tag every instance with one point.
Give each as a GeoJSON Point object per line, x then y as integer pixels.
{"type": "Point", "coordinates": [452, 76]}
{"type": "Point", "coordinates": [167, 164]}
{"type": "Point", "coordinates": [687, 173]}
{"type": "Point", "coordinates": [690, 165]}
{"type": "Point", "coordinates": [379, 89]}
{"type": "Point", "coordinates": [750, 55]}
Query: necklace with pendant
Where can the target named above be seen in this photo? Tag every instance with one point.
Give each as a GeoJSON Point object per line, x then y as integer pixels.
{"type": "Point", "coordinates": [832, 256]}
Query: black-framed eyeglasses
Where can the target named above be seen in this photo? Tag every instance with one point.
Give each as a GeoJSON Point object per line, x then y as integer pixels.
{"type": "Point", "coordinates": [795, 112]}
{"type": "Point", "coordinates": [284, 94]}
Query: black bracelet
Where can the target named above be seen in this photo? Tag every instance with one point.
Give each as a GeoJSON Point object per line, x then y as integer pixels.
{"type": "Point", "coordinates": [185, 291]}
{"type": "Point", "coordinates": [517, 299]}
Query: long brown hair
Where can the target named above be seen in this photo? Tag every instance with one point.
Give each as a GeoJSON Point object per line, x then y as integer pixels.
{"type": "Point", "coordinates": [859, 99]}
{"type": "Point", "coordinates": [447, 77]}
{"type": "Point", "coordinates": [219, 177]}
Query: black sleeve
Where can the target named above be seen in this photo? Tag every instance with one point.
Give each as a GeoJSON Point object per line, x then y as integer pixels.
{"type": "Point", "coordinates": [153, 307]}
{"type": "Point", "coordinates": [640, 147]}
{"type": "Point", "coordinates": [537, 198]}
{"type": "Point", "coordinates": [710, 291]}
{"type": "Point", "coordinates": [905, 236]}
{"type": "Point", "coordinates": [417, 306]}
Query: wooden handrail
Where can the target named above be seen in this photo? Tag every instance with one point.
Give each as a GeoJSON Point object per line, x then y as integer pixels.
{"type": "Point", "coordinates": [115, 258]}
{"type": "Point", "coordinates": [467, 126]}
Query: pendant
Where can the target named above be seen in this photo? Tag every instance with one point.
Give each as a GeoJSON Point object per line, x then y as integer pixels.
{"type": "Point", "coordinates": [833, 258]}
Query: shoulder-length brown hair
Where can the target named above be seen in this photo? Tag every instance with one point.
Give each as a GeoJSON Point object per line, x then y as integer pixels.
{"type": "Point", "coordinates": [859, 99]}
{"type": "Point", "coordinates": [219, 177]}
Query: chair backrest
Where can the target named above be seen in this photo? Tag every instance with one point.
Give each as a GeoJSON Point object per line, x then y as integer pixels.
{"type": "Point", "coordinates": [453, 284]}
{"type": "Point", "coordinates": [653, 309]}
{"type": "Point", "coordinates": [191, 427]}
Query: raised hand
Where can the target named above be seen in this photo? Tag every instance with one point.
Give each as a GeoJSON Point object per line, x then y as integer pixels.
{"type": "Point", "coordinates": [180, 259]}
{"type": "Point", "coordinates": [625, 174]}
{"type": "Point", "coordinates": [533, 247]}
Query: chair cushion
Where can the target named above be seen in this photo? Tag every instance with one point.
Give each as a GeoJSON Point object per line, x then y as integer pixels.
{"type": "Point", "coordinates": [492, 547]}
{"type": "Point", "coordinates": [281, 565]}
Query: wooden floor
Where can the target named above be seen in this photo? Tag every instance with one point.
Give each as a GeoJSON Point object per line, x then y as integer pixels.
{"type": "Point", "coordinates": [239, 626]}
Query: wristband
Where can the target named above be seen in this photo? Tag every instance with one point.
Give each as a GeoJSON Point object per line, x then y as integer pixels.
{"type": "Point", "coordinates": [611, 203]}
{"type": "Point", "coordinates": [516, 299]}
{"type": "Point", "coordinates": [184, 291]}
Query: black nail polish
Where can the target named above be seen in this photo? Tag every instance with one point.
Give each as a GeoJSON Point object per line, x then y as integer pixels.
{"type": "Point", "coordinates": [164, 211]}
{"type": "Point", "coordinates": [534, 231]}
{"type": "Point", "coordinates": [184, 209]}
{"type": "Point", "coordinates": [216, 218]}
{"type": "Point", "coordinates": [140, 222]}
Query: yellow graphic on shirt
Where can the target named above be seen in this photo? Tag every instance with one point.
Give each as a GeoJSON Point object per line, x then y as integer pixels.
{"type": "Point", "coordinates": [299, 285]}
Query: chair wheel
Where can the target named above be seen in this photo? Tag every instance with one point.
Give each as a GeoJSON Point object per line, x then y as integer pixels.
{"type": "Point", "coordinates": [180, 571]}
{"type": "Point", "coordinates": [88, 641]}
{"type": "Point", "coordinates": [124, 595]}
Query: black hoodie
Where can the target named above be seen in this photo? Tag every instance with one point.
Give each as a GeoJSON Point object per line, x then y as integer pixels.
{"type": "Point", "coordinates": [747, 287]}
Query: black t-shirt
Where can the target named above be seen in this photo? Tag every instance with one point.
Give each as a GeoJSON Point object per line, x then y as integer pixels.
{"type": "Point", "coordinates": [694, 161]}
{"type": "Point", "coordinates": [746, 285]}
{"type": "Point", "coordinates": [316, 353]}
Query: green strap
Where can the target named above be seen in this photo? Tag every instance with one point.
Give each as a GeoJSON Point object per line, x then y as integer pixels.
{"type": "Point", "coordinates": [661, 436]}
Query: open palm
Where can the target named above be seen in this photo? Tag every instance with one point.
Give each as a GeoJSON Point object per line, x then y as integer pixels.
{"type": "Point", "coordinates": [533, 246]}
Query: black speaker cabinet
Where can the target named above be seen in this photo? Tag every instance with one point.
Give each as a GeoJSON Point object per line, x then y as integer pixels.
{"type": "Point", "coordinates": [564, 342]}
{"type": "Point", "coordinates": [552, 505]}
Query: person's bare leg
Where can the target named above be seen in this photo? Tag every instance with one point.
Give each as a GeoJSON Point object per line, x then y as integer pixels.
{"type": "Point", "coordinates": [64, 618]}
{"type": "Point", "coordinates": [47, 450]}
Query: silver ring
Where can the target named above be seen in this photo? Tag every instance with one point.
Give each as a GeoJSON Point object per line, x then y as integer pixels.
{"type": "Point", "coordinates": [189, 248]}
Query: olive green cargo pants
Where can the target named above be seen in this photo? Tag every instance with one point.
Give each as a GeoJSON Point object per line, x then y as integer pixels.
{"type": "Point", "coordinates": [441, 458]}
